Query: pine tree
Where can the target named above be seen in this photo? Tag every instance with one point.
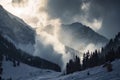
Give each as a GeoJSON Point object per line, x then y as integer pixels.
{"type": "Point", "coordinates": [73, 65]}
{"type": "Point", "coordinates": [110, 56]}
{"type": "Point", "coordinates": [77, 64]}
{"type": "Point", "coordinates": [85, 61]}
{"type": "Point", "coordinates": [1, 59]}
{"type": "Point", "coordinates": [14, 63]}
{"type": "Point", "coordinates": [118, 53]}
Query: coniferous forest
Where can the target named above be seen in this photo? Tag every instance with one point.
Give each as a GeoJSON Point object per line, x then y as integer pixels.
{"type": "Point", "coordinates": [109, 53]}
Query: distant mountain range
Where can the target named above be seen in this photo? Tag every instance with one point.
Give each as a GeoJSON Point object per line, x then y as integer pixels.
{"type": "Point", "coordinates": [79, 36]}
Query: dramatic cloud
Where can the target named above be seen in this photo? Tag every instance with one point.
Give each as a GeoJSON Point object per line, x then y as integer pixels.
{"type": "Point", "coordinates": [73, 11]}
{"type": "Point", "coordinates": [109, 11]}
{"type": "Point", "coordinates": [100, 15]}
{"type": "Point", "coordinates": [63, 9]}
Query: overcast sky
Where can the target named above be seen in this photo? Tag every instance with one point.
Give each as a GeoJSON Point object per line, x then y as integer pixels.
{"type": "Point", "coordinates": [103, 16]}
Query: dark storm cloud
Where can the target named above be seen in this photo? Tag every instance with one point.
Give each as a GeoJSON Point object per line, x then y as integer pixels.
{"type": "Point", "coordinates": [64, 9]}
{"type": "Point", "coordinates": [107, 10]}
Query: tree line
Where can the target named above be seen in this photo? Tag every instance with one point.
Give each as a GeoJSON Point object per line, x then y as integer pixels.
{"type": "Point", "coordinates": [9, 52]}
{"type": "Point", "coordinates": [91, 59]}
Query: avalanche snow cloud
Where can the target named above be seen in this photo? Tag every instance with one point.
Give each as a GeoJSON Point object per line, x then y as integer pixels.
{"type": "Point", "coordinates": [47, 45]}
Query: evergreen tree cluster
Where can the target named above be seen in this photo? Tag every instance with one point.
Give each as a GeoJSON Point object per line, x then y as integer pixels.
{"type": "Point", "coordinates": [1, 69]}
{"type": "Point", "coordinates": [91, 59]}
{"type": "Point", "coordinates": [112, 49]}
{"type": "Point", "coordinates": [112, 55]}
{"type": "Point", "coordinates": [10, 53]}
{"type": "Point", "coordinates": [15, 55]}
{"type": "Point", "coordinates": [73, 65]}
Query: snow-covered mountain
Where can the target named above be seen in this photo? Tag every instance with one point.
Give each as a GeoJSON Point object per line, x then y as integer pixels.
{"type": "Point", "coordinates": [80, 37]}
{"type": "Point", "coordinates": [16, 30]}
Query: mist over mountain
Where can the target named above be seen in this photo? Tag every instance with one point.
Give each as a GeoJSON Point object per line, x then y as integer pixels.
{"type": "Point", "coordinates": [81, 37]}
{"type": "Point", "coordinates": [11, 53]}
{"type": "Point", "coordinates": [26, 39]}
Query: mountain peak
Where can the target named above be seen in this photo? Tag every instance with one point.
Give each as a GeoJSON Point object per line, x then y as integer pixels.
{"type": "Point", "coordinates": [1, 7]}
{"type": "Point", "coordinates": [80, 36]}
{"type": "Point", "coordinates": [76, 23]}
{"type": "Point", "coordinates": [16, 30]}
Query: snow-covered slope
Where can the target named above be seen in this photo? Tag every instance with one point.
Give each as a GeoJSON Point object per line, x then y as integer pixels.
{"type": "Point", "coordinates": [96, 73]}
{"type": "Point", "coordinates": [16, 30]}
{"type": "Point", "coordinates": [22, 72]}
{"type": "Point", "coordinates": [14, 72]}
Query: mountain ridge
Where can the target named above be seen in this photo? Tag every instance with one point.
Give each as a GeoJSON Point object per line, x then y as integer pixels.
{"type": "Point", "coordinates": [79, 36]}
{"type": "Point", "coordinates": [17, 31]}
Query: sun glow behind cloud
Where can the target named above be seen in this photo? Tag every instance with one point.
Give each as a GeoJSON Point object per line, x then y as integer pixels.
{"type": "Point", "coordinates": [28, 12]}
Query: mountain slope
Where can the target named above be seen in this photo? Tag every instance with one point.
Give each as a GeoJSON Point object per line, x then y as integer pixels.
{"type": "Point", "coordinates": [9, 71]}
{"type": "Point", "coordinates": [16, 30]}
{"type": "Point", "coordinates": [96, 73]}
{"type": "Point", "coordinates": [13, 54]}
{"type": "Point", "coordinates": [22, 71]}
{"type": "Point", "coordinates": [79, 36]}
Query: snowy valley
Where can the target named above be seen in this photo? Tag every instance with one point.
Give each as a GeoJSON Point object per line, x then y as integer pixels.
{"type": "Point", "coordinates": [25, 72]}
